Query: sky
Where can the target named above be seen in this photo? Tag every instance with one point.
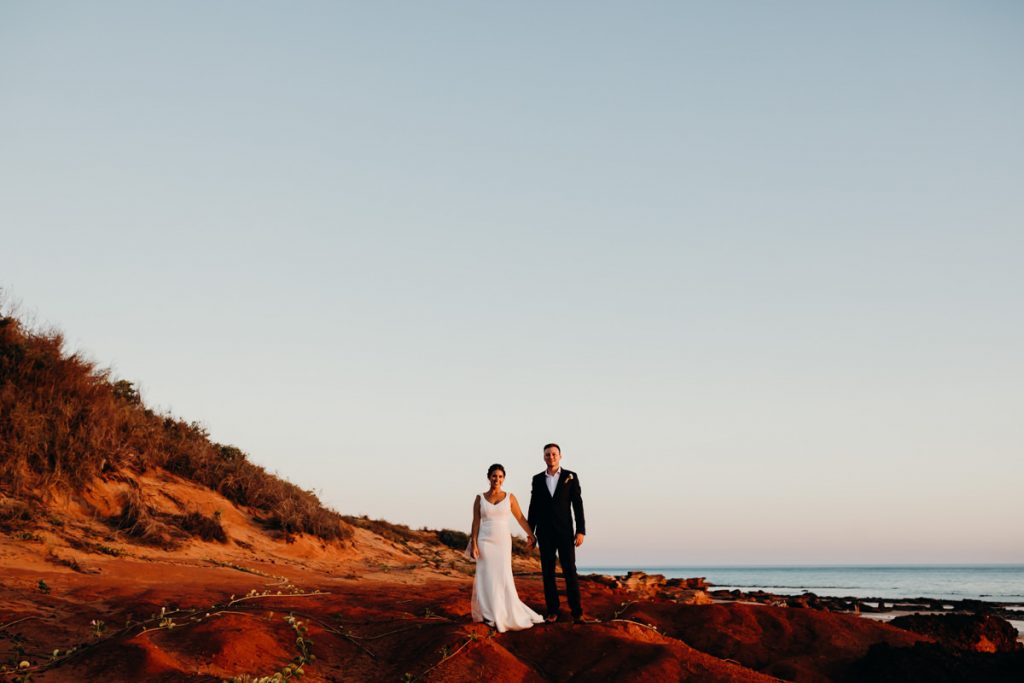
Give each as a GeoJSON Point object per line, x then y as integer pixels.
{"type": "Point", "coordinates": [757, 267]}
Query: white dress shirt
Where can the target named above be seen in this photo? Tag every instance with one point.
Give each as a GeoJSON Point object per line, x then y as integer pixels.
{"type": "Point", "coordinates": [552, 480]}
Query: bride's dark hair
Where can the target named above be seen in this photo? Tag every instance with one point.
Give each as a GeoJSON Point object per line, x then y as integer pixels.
{"type": "Point", "coordinates": [494, 468]}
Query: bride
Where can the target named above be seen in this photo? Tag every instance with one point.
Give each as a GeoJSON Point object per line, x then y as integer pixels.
{"type": "Point", "coordinates": [495, 599]}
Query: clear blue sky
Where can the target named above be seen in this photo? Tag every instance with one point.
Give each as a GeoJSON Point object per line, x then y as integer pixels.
{"type": "Point", "coordinates": [757, 266]}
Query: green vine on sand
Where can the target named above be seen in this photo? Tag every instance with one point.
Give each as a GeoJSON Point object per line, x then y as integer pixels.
{"type": "Point", "coordinates": [294, 668]}
{"type": "Point", "coordinates": [622, 609]}
{"type": "Point", "coordinates": [240, 568]}
{"type": "Point", "coordinates": [636, 623]}
{"type": "Point", "coordinates": [165, 620]}
{"type": "Point", "coordinates": [445, 656]}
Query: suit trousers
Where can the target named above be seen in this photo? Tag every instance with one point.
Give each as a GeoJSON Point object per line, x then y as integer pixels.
{"type": "Point", "coordinates": [566, 549]}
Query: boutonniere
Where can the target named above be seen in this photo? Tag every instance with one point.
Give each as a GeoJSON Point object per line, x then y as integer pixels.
{"type": "Point", "coordinates": [568, 478]}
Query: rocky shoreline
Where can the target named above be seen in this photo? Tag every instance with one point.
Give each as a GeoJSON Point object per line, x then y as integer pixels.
{"type": "Point", "coordinates": [651, 585]}
{"type": "Point", "coordinates": [968, 624]}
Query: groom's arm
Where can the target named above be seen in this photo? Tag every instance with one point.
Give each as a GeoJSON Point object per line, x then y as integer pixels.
{"type": "Point", "coordinates": [577, 508]}
{"type": "Point", "coordinates": [531, 515]}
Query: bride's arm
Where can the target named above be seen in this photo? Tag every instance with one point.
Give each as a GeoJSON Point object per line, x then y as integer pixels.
{"type": "Point", "coordinates": [474, 548]}
{"type": "Point", "coordinates": [518, 514]}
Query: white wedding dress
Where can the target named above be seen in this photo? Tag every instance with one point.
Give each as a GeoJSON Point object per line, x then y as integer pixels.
{"type": "Point", "coordinates": [495, 599]}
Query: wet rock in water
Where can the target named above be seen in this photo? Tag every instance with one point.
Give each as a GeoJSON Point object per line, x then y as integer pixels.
{"type": "Point", "coordinates": [840, 605]}
{"type": "Point", "coordinates": [978, 632]}
{"type": "Point", "coordinates": [697, 583]}
{"type": "Point", "coordinates": [871, 606]}
{"type": "Point", "coordinates": [805, 601]}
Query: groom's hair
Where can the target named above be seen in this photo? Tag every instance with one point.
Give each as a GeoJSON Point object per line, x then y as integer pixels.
{"type": "Point", "coordinates": [553, 445]}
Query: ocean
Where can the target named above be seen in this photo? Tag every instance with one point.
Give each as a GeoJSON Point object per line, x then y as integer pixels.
{"type": "Point", "coordinates": [995, 583]}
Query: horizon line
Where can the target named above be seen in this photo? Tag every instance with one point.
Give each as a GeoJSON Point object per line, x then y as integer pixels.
{"type": "Point", "coordinates": [948, 565]}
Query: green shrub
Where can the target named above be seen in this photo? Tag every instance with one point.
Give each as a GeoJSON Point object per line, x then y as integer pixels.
{"type": "Point", "coordinates": [453, 539]}
{"type": "Point", "coordinates": [399, 533]}
{"type": "Point", "coordinates": [14, 515]}
{"type": "Point", "coordinates": [206, 528]}
{"type": "Point", "coordinates": [63, 422]}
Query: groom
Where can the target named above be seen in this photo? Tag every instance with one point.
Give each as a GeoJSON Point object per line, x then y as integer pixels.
{"type": "Point", "coordinates": [555, 491]}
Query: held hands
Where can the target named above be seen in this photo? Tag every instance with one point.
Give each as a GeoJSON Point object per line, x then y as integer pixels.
{"type": "Point", "coordinates": [531, 541]}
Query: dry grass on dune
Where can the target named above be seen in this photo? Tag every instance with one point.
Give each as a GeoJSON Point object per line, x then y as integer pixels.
{"type": "Point", "coordinates": [64, 421]}
{"type": "Point", "coordinates": [400, 533]}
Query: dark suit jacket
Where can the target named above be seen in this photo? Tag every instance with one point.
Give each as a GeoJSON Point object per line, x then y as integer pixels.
{"type": "Point", "coordinates": [552, 516]}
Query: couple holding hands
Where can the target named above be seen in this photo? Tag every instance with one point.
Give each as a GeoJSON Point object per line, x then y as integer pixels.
{"type": "Point", "coordinates": [555, 498]}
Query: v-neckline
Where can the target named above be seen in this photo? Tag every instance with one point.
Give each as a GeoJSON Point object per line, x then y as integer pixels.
{"type": "Point", "coordinates": [484, 496]}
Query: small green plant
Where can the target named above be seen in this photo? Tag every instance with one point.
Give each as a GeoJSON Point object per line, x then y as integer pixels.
{"type": "Point", "coordinates": [43, 586]}
{"type": "Point", "coordinates": [68, 562]}
{"type": "Point", "coordinates": [165, 621]}
{"type": "Point", "coordinates": [24, 675]}
{"type": "Point", "coordinates": [622, 608]}
{"type": "Point", "coordinates": [294, 668]}
{"type": "Point", "coordinates": [99, 627]}
{"type": "Point", "coordinates": [302, 642]}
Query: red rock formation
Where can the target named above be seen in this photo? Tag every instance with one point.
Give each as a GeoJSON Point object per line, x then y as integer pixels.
{"type": "Point", "coordinates": [978, 632]}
